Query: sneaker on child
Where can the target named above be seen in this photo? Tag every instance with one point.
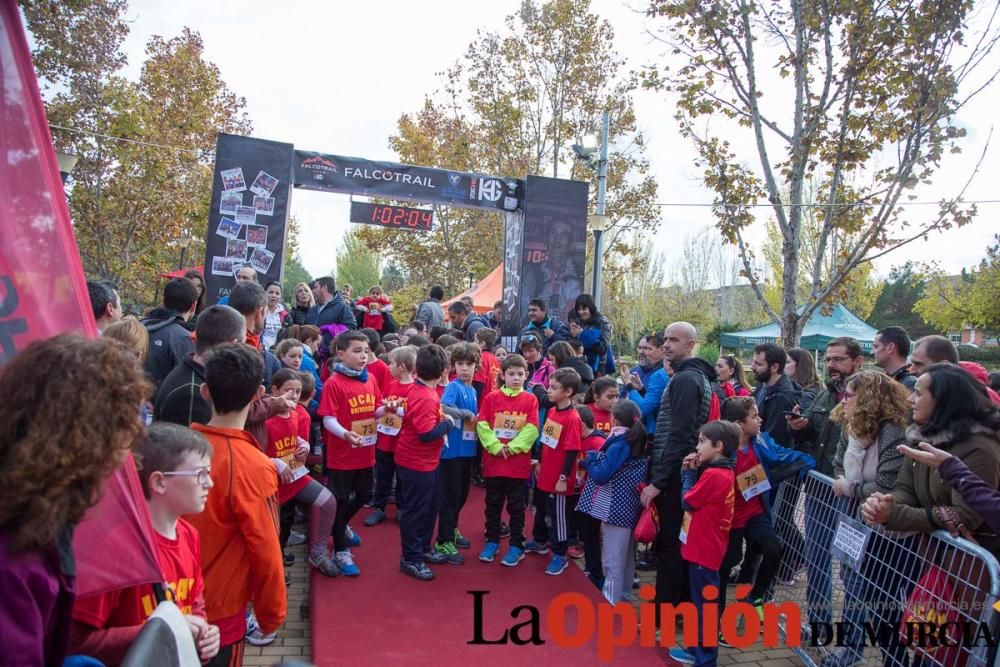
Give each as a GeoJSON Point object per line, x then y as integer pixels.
{"type": "Point", "coordinates": [323, 563]}
{"type": "Point", "coordinates": [460, 540]}
{"type": "Point", "coordinates": [353, 539]}
{"type": "Point", "coordinates": [533, 547]}
{"type": "Point", "coordinates": [575, 551]}
{"type": "Point", "coordinates": [345, 561]}
{"type": "Point", "coordinates": [375, 518]}
{"type": "Point", "coordinates": [416, 570]}
{"type": "Point", "coordinates": [255, 638]}
{"type": "Point", "coordinates": [557, 565]}
{"type": "Point", "coordinates": [450, 552]}
{"type": "Point", "coordinates": [489, 552]}
{"type": "Point", "coordinates": [677, 654]}
{"type": "Point", "coordinates": [295, 538]}
{"type": "Point", "coordinates": [513, 556]}
{"type": "Point", "coordinates": [435, 558]}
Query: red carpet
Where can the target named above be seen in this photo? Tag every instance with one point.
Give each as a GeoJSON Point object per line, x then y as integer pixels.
{"type": "Point", "coordinates": [384, 616]}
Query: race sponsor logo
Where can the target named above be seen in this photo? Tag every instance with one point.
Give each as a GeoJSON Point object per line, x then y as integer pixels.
{"type": "Point", "coordinates": [453, 190]}
{"type": "Point", "coordinates": [318, 165]}
{"type": "Point", "coordinates": [364, 174]}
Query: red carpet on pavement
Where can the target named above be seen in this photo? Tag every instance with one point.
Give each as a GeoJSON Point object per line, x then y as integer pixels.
{"type": "Point", "coordinates": [384, 616]}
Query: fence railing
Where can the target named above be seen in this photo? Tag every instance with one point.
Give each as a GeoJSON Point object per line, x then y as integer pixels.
{"type": "Point", "coordinates": [874, 597]}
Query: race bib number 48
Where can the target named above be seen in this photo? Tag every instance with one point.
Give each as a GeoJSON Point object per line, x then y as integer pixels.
{"type": "Point", "coordinates": [550, 433]}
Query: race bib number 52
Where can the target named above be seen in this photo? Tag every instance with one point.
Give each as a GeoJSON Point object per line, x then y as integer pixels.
{"type": "Point", "coordinates": [506, 425]}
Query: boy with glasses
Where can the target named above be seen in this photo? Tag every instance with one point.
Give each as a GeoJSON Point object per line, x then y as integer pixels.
{"type": "Point", "coordinates": [175, 470]}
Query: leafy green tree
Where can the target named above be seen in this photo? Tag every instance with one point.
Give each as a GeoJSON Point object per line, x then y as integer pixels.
{"type": "Point", "coordinates": [970, 299]}
{"type": "Point", "coordinates": [131, 202]}
{"type": "Point", "coordinates": [858, 97]}
{"type": "Point", "coordinates": [357, 264]}
{"type": "Point", "coordinates": [896, 303]}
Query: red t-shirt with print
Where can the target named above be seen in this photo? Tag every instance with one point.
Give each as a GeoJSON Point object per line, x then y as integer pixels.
{"type": "Point", "coordinates": [602, 418]}
{"type": "Point", "coordinates": [521, 409]}
{"type": "Point", "coordinates": [282, 443]}
{"type": "Point", "coordinates": [559, 434]}
{"type": "Point", "coordinates": [394, 391]}
{"type": "Point", "coordinates": [379, 370]}
{"type": "Point", "coordinates": [708, 531]}
{"type": "Point", "coordinates": [353, 403]}
{"type": "Point", "coordinates": [423, 413]}
{"type": "Point", "coordinates": [743, 511]}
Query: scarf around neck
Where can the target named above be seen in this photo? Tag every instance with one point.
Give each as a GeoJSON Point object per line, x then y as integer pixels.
{"type": "Point", "coordinates": [361, 375]}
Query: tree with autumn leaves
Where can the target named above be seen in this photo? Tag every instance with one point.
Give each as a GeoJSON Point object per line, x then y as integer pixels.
{"type": "Point", "coordinates": [859, 98]}
{"type": "Point", "coordinates": [144, 175]}
{"type": "Point", "coordinates": [513, 105]}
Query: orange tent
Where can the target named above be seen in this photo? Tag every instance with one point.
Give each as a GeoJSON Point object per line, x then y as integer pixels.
{"type": "Point", "coordinates": [179, 273]}
{"type": "Point", "coordinates": [485, 293]}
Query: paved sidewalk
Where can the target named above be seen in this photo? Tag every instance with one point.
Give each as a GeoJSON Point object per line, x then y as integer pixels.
{"type": "Point", "coordinates": [294, 640]}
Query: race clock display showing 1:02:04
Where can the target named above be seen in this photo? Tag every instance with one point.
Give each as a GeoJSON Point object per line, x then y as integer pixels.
{"type": "Point", "coordinates": [396, 217]}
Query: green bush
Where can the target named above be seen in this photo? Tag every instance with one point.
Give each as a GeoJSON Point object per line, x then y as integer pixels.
{"type": "Point", "coordinates": [987, 356]}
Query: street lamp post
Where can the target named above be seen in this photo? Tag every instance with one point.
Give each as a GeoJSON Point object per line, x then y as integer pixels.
{"type": "Point", "coordinates": [184, 242]}
{"type": "Point", "coordinates": [598, 222]}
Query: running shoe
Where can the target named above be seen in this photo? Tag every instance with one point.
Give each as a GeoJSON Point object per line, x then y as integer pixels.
{"type": "Point", "coordinates": [450, 551]}
{"type": "Point", "coordinates": [345, 561]}
{"type": "Point", "coordinates": [512, 557]}
{"type": "Point", "coordinates": [533, 547]}
{"type": "Point", "coordinates": [489, 552]}
{"type": "Point", "coordinates": [416, 570]}
{"type": "Point", "coordinates": [353, 539]}
{"type": "Point", "coordinates": [557, 565]}
{"type": "Point", "coordinates": [325, 564]}
{"type": "Point", "coordinates": [376, 517]}
{"type": "Point", "coordinates": [460, 541]}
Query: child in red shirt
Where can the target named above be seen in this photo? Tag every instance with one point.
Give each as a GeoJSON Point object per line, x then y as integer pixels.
{"type": "Point", "coordinates": [417, 452]}
{"type": "Point", "coordinates": [487, 375]}
{"type": "Point", "coordinates": [507, 427]}
{"type": "Point", "coordinates": [601, 398]}
{"type": "Point", "coordinates": [377, 368]}
{"type": "Point", "coordinates": [373, 306]}
{"type": "Point", "coordinates": [560, 440]}
{"type": "Point", "coordinates": [402, 364]}
{"type": "Point", "coordinates": [174, 471]}
{"type": "Point", "coordinates": [348, 407]}
{"type": "Point", "coordinates": [707, 498]}
{"type": "Point", "coordinates": [288, 451]}
{"type": "Point", "coordinates": [588, 528]}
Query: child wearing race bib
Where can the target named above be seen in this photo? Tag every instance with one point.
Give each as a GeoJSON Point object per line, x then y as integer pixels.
{"type": "Point", "coordinates": [707, 498]}
{"type": "Point", "coordinates": [588, 528]}
{"type": "Point", "coordinates": [755, 457]}
{"type": "Point", "coordinates": [611, 496]}
{"type": "Point", "coordinates": [601, 398]}
{"type": "Point", "coordinates": [507, 427]}
{"type": "Point", "coordinates": [560, 447]}
{"type": "Point", "coordinates": [455, 473]}
{"type": "Point", "coordinates": [288, 452]}
{"type": "Point", "coordinates": [350, 399]}
{"type": "Point", "coordinates": [402, 363]}
{"type": "Point", "coordinates": [418, 451]}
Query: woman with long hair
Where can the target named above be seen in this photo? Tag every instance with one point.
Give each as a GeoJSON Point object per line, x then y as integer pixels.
{"type": "Point", "coordinates": [302, 300]}
{"type": "Point", "coordinates": [800, 367]}
{"type": "Point", "coordinates": [594, 331]}
{"type": "Point", "coordinates": [69, 414]}
{"type": "Point", "coordinates": [199, 282]}
{"type": "Point", "coordinates": [732, 376]}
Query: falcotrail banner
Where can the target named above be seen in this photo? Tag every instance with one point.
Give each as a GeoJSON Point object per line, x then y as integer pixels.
{"type": "Point", "coordinates": [389, 180]}
{"type": "Point", "coordinates": [248, 219]}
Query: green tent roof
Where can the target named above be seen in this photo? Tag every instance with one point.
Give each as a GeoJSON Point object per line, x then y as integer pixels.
{"type": "Point", "coordinates": [819, 330]}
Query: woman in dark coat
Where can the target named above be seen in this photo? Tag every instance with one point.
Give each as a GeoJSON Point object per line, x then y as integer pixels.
{"type": "Point", "coordinates": [593, 330]}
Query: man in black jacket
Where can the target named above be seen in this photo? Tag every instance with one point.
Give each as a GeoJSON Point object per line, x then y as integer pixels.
{"type": "Point", "coordinates": [775, 393]}
{"type": "Point", "coordinates": [548, 328]}
{"type": "Point", "coordinates": [466, 321]}
{"type": "Point", "coordinates": [330, 308]}
{"type": "Point", "coordinates": [683, 410]}
{"type": "Point", "coordinates": [169, 338]}
{"type": "Point", "coordinates": [179, 399]}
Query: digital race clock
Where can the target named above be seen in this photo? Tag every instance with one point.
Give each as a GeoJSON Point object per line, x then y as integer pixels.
{"type": "Point", "coordinates": [395, 217]}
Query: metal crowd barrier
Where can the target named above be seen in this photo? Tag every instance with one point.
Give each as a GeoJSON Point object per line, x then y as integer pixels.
{"type": "Point", "coordinates": [858, 586]}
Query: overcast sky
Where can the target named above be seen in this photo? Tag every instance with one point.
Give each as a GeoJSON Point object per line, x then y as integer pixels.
{"type": "Point", "coordinates": [336, 76]}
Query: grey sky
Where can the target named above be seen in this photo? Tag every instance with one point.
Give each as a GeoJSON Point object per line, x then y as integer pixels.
{"type": "Point", "coordinates": [336, 76]}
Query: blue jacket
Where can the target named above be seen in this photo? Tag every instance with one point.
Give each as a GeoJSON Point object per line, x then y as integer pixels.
{"type": "Point", "coordinates": [611, 492]}
{"type": "Point", "coordinates": [779, 463]}
{"type": "Point", "coordinates": [461, 396]}
{"type": "Point", "coordinates": [655, 383]}
{"type": "Point", "coordinates": [309, 366]}
{"type": "Point", "coordinates": [559, 332]}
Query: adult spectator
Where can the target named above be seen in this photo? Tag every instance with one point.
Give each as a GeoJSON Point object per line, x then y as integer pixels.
{"type": "Point", "coordinates": [951, 412]}
{"type": "Point", "coordinates": [105, 302]}
{"type": "Point", "coordinates": [179, 398]}
{"type": "Point", "coordinates": [800, 367]}
{"type": "Point", "coordinates": [68, 417]}
{"type": "Point", "coordinates": [169, 337]}
{"type": "Point", "coordinates": [593, 330]}
{"type": "Point", "coordinates": [817, 434]}
{"type": "Point", "coordinates": [463, 319]}
{"type": "Point", "coordinates": [650, 354]}
{"type": "Point", "coordinates": [775, 393]}
{"type": "Point", "coordinates": [199, 282]}
{"type": "Point", "coordinates": [467, 300]}
{"type": "Point", "coordinates": [248, 300]}
{"type": "Point", "coordinates": [548, 328]}
{"type": "Point", "coordinates": [246, 274]}
{"type": "Point", "coordinates": [931, 350]}
{"type": "Point", "coordinates": [684, 408]}
{"type": "Point", "coordinates": [562, 355]}
{"type": "Point", "coordinates": [303, 301]}
{"type": "Point", "coordinates": [274, 314]}
{"type": "Point", "coordinates": [874, 415]}
{"type": "Point", "coordinates": [331, 309]}
{"type": "Point", "coordinates": [890, 350]}
{"type": "Point", "coordinates": [648, 399]}
{"type": "Point", "coordinates": [494, 318]}
{"type": "Point", "coordinates": [430, 313]}
{"type": "Point", "coordinates": [732, 376]}
{"type": "Point", "coordinates": [408, 332]}
{"type": "Point", "coordinates": [373, 309]}
{"type": "Point", "coordinates": [130, 332]}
